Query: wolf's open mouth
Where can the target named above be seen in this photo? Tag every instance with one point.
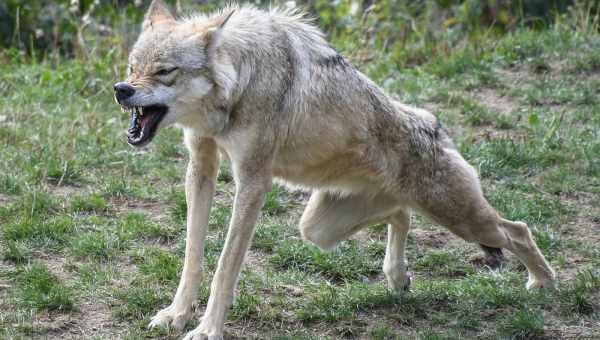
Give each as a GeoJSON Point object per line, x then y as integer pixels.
{"type": "Point", "coordinates": [144, 121]}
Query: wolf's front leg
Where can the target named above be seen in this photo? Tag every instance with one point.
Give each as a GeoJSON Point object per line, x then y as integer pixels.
{"type": "Point", "coordinates": [251, 190]}
{"type": "Point", "coordinates": [199, 191]}
{"type": "Point", "coordinates": [394, 264]}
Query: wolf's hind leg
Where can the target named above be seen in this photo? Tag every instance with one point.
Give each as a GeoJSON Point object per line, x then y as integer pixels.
{"type": "Point", "coordinates": [394, 264]}
{"type": "Point", "coordinates": [330, 218]}
{"type": "Point", "coordinates": [516, 237]}
{"type": "Point", "coordinates": [519, 241]}
{"type": "Point", "coordinates": [493, 232]}
{"type": "Point", "coordinates": [456, 201]}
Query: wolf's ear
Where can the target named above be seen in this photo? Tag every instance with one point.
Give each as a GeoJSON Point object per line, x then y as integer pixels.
{"type": "Point", "coordinates": [157, 12]}
{"type": "Point", "coordinates": [223, 19]}
{"type": "Point", "coordinates": [213, 34]}
{"type": "Point", "coordinates": [225, 75]}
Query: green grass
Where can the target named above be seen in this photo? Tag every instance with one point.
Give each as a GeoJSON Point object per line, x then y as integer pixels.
{"type": "Point", "coordinates": [16, 251]}
{"type": "Point", "coordinates": [158, 265]}
{"type": "Point", "coordinates": [524, 324]}
{"type": "Point", "coordinates": [90, 204]}
{"type": "Point", "coordinates": [38, 288]}
{"type": "Point", "coordinates": [138, 301]}
{"type": "Point", "coordinates": [93, 276]}
{"type": "Point", "coordinates": [95, 245]}
{"type": "Point", "coordinates": [383, 332]}
{"type": "Point", "coordinates": [330, 303]}
{"type": "Point", "coordinates": [139, 226]}
{"type": "Point", "coordinates": [85, 220]}
{"type": "Point", "coordinates": [348, 262]}
{"type": "Point", "coordinates": [443, 263]}
{"type": "Point", "coordinates": [54, 229]}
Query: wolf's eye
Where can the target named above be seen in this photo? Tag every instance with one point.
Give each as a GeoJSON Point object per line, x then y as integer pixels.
{"type": "Point", "coordinates": [165, 71]}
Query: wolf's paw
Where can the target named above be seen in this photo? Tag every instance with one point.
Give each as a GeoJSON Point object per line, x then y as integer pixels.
{"type": "Point", "coordinates": [172, 316]}
{"type": "Point", "coordinates": [400, 282]}
{"type": "Point", "coordinates": [548, 282]}
{"type": "Point", "coordinates": [539, 284]}
{"type": "Point", "coordinates": [203, 333]}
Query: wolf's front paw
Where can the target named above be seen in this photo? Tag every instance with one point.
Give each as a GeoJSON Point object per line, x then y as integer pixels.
{"type": "Point", "coordinates": [203, 333]}
{"type": "Point", "coordinates": [400, 283]}
{"type": "Point", "coordinates": [545, 278]}
{"type": "Point", "coordinates": [397, 277]}
{"type": "Point", "coordinates": [545, 283]}
{"type": "Point", "coordinates": [539, 284]}
{"type": "Point", "coordinates": [172, 316]}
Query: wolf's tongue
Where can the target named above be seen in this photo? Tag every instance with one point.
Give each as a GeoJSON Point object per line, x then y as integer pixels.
{"type": "Point", "coordinates": [145, 119]}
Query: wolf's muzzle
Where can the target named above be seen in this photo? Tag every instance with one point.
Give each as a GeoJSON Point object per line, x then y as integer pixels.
{"type": "Point", "coordinates": [144, 123]}
{"type": "Point", "coordinates": [123, 91]}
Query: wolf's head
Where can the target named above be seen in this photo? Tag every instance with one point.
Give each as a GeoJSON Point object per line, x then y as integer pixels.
{"type": "Point", "coordinates": [168, 73]}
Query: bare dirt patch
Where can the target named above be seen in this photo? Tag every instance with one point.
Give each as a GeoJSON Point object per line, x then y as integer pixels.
{"type": "Point", "coordinates": [257, 261]}
{"type": "Point", "coordinates": [494, 102]}
{"type": "Point", "coordinates": [157, 211]}
{"type": "Point", "coordinates": [433, 238]}
{"type": "Point", "coordinates": [588, 329]}
{"type": "Point", "coordinates": [4, 200]}
{"type": "Point", "coordinates": [582, 228]}
{"type": "Point", "coordinates": [93, 319]}
{"type": "Point", "coordinates": [514, 77]}
{"type": "Point", "coordinates": [64, 191]}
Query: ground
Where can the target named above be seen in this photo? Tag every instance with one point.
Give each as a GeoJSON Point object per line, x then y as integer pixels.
{"type": "Point", "coordinates": [92, 231]}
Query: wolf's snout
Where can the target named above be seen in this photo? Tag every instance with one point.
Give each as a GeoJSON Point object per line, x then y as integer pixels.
{"type": "Point", "coordinates": [123, 91]}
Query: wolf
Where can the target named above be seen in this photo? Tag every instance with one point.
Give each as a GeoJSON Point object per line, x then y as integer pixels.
{"type": "Point", "coordinates": [264, 89]}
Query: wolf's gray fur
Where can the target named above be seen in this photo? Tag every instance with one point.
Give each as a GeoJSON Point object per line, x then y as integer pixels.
{"type": "Point", "coordinates": [269, 92]}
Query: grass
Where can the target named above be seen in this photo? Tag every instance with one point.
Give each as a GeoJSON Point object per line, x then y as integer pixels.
{"type": "Point", "coordinates": [87, 221]}
{"type": "Point", "coordinates": [96, 245]}
{"type": "Point", "coordinates": [353, 265]}
{"type": "Point", "coordinates": [524, 324]}
{"type": "Point", "coordinates": [137, 301]}
{"type": "Point", "coordinates": [158, 265]}
{"type": "Point", "coordinates": [38, 288]}
{"type": "Point", "coordinates": [443, 263]}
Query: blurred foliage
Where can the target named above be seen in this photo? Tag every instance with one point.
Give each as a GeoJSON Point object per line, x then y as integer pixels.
{"type": "Point", "coordinates": [42, 26]}
{"type": "Point", "coordinates": [408, 30]}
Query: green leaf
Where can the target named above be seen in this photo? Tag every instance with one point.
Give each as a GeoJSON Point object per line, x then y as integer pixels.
{"type": "Point", "coordinates": [533, 119]}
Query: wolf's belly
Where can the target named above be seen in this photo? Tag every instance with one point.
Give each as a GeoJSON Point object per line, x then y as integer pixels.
{"type": "Point", "coordinates": [342, 173]}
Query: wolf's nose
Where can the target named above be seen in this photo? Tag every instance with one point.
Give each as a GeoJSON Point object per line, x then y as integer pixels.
{"type": "Point", "coordinates": [123, 91]}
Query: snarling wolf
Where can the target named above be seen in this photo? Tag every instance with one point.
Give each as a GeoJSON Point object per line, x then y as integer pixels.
{"type": "Point", "coordinates": [264, 89]}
